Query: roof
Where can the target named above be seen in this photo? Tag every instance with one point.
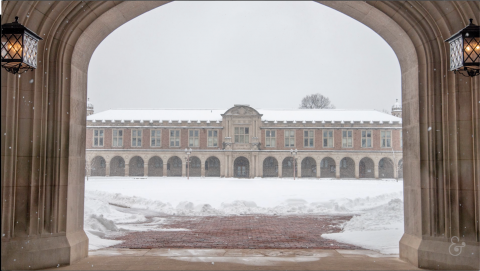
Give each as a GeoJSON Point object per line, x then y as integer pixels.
{"type": "Point", "coordinates": [268, 115]}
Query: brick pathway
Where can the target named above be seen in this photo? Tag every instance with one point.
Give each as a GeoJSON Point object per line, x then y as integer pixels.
{"type": "Point", "coordinates": [241, 232]}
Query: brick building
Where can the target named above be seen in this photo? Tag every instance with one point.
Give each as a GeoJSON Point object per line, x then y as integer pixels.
{"type": "Point", "coordinates": [244, 142]}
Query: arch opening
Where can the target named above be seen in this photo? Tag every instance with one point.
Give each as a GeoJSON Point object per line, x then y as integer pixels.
{"type": "Point", "coordinates": [287, 168]}
{"type": "Point", "coordinates": [117, 166]}
{"type": "Point", "coordinates": [309, 167]}
{"type": "Point", "coordinates": [347, 168]}
{"type": "Point", "coordinates": [328, 168]}
{"type": "Point", "coordinates": [174, 167]}
{"type": "Point", "coordinates": [195, 167]}
{"type": "Point", "coordinates": [136, 166]}
{"type": "Point", "coordinates": [155, 167]}
{"type": "Point", "coordinates": [98, 166]}
{"type": "Point", "coordinates": [212, 167]}
{"type": "Point", "coordinates": [241, 167]}
{"type": "Point", "coordinates": [366, 168]}
{"type": "Point", "coordinates": [270, 167]}
{"type": "Point", "coordinates": [386, 168]}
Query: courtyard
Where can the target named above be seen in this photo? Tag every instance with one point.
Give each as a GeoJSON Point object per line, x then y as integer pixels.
{"type": "Point", "coordinates": [229, 213]}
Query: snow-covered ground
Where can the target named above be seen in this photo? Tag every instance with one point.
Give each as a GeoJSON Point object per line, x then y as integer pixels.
{"type": "Point", "coordinates": [377, 204]}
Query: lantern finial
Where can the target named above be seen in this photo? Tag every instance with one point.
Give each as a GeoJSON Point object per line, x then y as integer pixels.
{"type": "Point", "coordinates": [471, 21]}
{"type": "Point", "coordinates": [16, 19]}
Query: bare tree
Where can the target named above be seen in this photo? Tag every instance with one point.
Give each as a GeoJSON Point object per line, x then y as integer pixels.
{"type": "Point", "coordinates": [316, 101]}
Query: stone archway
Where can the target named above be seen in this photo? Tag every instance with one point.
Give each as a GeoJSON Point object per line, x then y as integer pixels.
{"type": "Point", "coordinates": [136, 166]}
{"type": "Point", "coordinates": [287, 168]}
{"type": "Point", "coordinates": [386, 168]}
{"type": "Point", "coordinates": [241, 167]}
{"type": "Point", "coordinates": [328, 168]}
{"type": "Point", "coordinates": [98, 166]}
{"type": "Point", "coordinates": [155, 167]}
{"type": "Point", "coordinates": [366, 168]}
{"type": "Point", "coordinates": [270, 167]}
{"type": "Point", "coordinates": [117, 166]}
{"type": "Point", "coordinates": [347, 168]}
{"type": "Point", "coordinates": [309, 167]}
{"type": "Point", "coordinates": [212, 167]}
{"type": "Point", "coordinates": [414, 30]}
{"type": "Point", "coordinates": [195, 167]}
{"type": "Point", "coordinates": [174, 167]}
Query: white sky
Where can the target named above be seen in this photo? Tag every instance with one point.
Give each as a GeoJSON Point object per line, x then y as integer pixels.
{"type": "Point", "coordinates": [266, 54]}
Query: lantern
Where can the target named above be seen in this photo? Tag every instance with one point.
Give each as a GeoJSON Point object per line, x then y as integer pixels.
{"type": "Point", "coordinates": [19, 48]}
{"type": "Point", "coordinates": [465, 50]}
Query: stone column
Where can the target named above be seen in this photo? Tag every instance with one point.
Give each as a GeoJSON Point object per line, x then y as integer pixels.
{"type": "Point", "coordinates": [280, 169]}
{"type": "Point", "coordinates": [318, 168]}
{"type": "Point", "coordinates": [202, 168]}
{"type": "Point", "coordinates": [145, 169]}
{"type": "Point", "coordinates": [184, 169]}
{"type": "Point", "coordinates": [127, 170]}
{"type": "Point", "coordinates": [107, 169]}
{"type": "Point", "coordinates": [165, 173]}
{"type": "Point", "coordinates": [357, 169]}
{"type": "Point", "coordinates": [299, 167]}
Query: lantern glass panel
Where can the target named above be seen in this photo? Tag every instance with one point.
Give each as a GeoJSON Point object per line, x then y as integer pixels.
{"type": "Point", "coordinates": [12, 46]}
{"type": "Point", "coordinates": [30, 52]}
{"type": "Point", "coordinates": [456, 56]}
{"type": "Point", "coordinates": [471, 51]}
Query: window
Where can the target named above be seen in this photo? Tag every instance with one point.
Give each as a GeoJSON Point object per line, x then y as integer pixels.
{"type": "Point", "coordinates": [98, 137]}
{"type": "Point", "coordinates": [328, 139]}
{"type": "Point", "coordinates": [136, 138]}
{"type": "Point", "coordinates": [270, 138]}
{"type": "Point", "coordinates": [289, 138]}
{"type": "Point", "coordinates": [366, 139]}
{"type": "Point", "coordinates": [193, 140]}
{"type": "Point", "coordinates": [241, 135]}
{"type": "Point", "coordinates": [347, 139]}
{"type": "Point", "coordinates": [212, 138]}
{"type": "Point", "coordinates": [117, 138]}
{"type": "Point", "coordinates": [174, 138]}
{"type": "Point", "coordinates": [308, 138]}
{"type": "Point", "coordinates": [386, 139]}
{"type": "Point", "coordinates": [155, 138]}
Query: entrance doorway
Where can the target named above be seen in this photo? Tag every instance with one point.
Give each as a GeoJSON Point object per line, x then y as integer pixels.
{"type": "Point", "coordinates": [241, 167]}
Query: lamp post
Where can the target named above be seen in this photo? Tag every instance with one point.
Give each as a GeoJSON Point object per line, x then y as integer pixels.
{"type": "Point", "coordinates": [187, 159]}
{"type": "Point", "coordinates": [19, 48]}
{"type": "Point", "coordinates": [465, 51]}
{"type": "Point", "coordinates": [294, 158]}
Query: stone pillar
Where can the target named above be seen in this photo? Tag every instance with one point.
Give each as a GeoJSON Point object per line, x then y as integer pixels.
{"type": "Point", "coordinates": [280, 169]}
{"type": "Point", "coordinates": [202, 169]}
{"type": "Point", "coordinates": [337, 169]}
{"type": "Point", "coordinates": [107, 169]}
{"type": "Point", "coordinates": [357, 169]}
{"type": "Point", "coordinates": [184, 169]}
{"type": "Point", "coordinates": [127, 170]}
{"type": "Point", "coordinates": [318, 168]}
{"type": "Point", "coordinates": [299, 168]}
{"type": "Point", "coordinates": [376, 169]}
{"type": "Point", "coordinates": [145, 169]}
{"type": "Point", "coordinates": [165, 173]}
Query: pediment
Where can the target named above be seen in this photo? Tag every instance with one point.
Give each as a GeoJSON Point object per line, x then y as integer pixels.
{"type": "Point", "coordinates": [242, 110]}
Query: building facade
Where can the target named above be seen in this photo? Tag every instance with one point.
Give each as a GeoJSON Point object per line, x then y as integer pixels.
{"type": "Point", "coordinates": [244, 142]}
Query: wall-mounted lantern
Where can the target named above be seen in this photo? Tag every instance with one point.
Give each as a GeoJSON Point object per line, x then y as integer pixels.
{"type": "Point", "coordinates": [19, 48]}
{"type": "Point", "coordinates": [465, 50]}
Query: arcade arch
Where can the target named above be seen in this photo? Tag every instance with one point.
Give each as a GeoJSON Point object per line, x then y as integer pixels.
{"type": "Point", "coordinates": [155, 167]}
{"type": "Point", "coordinates": [386, 168]}
{"type": "Point", "coordinates": [174, 167]}
{"type": "Point", "coordinates": [287, 168]}
{"type": "Point", "coordinates": [270, 167]}
{"type": "Point", "coordinates": [117, 166]}
{"type": "Point", "coordinates": [98, 166]}
{"type": "Point", "coordinates": [136, 166]}
{"type": "Point", "coordinates": [212, 167]}
{"type": "Point", "coordinates": [241, 167]}
{"type": "Point", "coordinates": [328, 168]}
{"type": "Point", "coordinates": [195, 167]}
{"type": "Point", "coordinates": [309, 167]}
{"type": "Point", "coordinates": [366, 168]}
{"type": "Point", "coordinates": [347, 168]}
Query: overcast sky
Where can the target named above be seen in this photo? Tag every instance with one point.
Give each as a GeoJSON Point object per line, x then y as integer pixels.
{"type": "Point", "coordinates": [266, 54]}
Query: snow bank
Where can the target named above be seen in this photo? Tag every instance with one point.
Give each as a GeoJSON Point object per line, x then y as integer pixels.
{"type": "Point", "coordinates": [378, 228]}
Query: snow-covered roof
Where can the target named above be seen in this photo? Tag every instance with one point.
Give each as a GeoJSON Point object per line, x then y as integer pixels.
{"type": "Point", "coordinates": [268, 115]}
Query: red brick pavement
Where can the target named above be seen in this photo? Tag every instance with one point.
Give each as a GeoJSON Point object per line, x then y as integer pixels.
{"type": "Point", "coordinates": [242, 232]}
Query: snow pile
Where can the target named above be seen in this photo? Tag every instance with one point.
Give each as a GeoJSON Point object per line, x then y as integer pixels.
{"type": "Point", "coordinates": [378, 229]}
